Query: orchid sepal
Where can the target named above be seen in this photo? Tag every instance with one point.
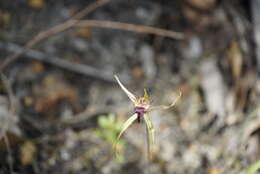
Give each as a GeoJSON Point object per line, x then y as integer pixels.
{"type": "Point", "coordinates": [130, 95]}
{"type": "Point", "coordinates": [164, 107]}
{"type": "Point", "coordinates": [124, 127]}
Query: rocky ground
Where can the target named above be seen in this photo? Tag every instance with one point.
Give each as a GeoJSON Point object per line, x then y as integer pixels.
{"type": "Point", "coordinates": [61, 108]}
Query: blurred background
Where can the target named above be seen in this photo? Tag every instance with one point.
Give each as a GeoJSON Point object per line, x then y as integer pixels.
{"type": "Point", "coordinates": [61, 108]}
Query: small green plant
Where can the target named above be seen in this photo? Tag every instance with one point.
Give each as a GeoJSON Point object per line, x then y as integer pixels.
{"type": "Point", "coordinates": [254, 168]}
{"type": "Point", "coordinates": [142, 106]}
{"type": "Point", "coordinates": [108, 130]}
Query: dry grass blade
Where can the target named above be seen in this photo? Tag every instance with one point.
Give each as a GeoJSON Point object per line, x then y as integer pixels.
{"type": "Point", "coordinates": [131, 27]}
{"type": "Point", "coordinates": [54, 30]}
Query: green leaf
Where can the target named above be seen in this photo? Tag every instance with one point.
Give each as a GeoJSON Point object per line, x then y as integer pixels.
{"type": "Point", "coordinates": [102, 121]}
{"type": "Point", "coordinates": [111, 118]}
{"type": "Point", "coordinates": [253, 168]}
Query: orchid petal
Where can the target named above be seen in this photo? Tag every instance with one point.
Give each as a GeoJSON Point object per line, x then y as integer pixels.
{"type": "Point", "coordinates": [125, 126]}
{"type": "Point", "coordinates": [166, 106]}
{"type": "Point", "coordinates": [150, 131]}
{"type": "Point", "coordinates": [128, 93]}
{"type": "Point", "coordinates": [146, 96]}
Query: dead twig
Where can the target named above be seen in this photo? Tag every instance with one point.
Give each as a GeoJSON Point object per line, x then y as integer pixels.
{"type": "Point", "coordinates": [52, 31]}
{"type": "Point", "coordinates": [130, 27]}
{"type": "Point", "coordinates": [58, 62]}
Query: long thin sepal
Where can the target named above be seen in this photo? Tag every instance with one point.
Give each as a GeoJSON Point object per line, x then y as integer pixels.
{"type": "Point", "coordinates": [150, 131]}
{"type": "Point", "coordinates": [125, 126]}
{"type": "Point", "coordinates": [166, 106]}
{"type": "Point", "coordinates": [128, 93]}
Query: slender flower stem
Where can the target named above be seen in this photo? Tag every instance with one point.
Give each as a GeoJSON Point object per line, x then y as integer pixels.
{"type": "Point", "coordinates": [147, 161]}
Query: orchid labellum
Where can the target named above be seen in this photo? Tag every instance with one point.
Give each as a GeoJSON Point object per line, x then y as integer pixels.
{"type": "Point", "coordinates": [142, 106]}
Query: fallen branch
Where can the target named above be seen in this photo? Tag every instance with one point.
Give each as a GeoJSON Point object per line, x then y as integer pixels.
{"type": "Point", "coordinates": [52, 31]}
{"type": "Point", "coordinates": [56, 61]}
{"type": "Point", "coordinates": [74, 21]}
{"type": "Point", "coordinates": [130, 27]}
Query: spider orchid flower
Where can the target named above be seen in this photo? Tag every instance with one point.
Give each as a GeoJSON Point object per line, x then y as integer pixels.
{"type": "Point", "coordinates": [142, 106]}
